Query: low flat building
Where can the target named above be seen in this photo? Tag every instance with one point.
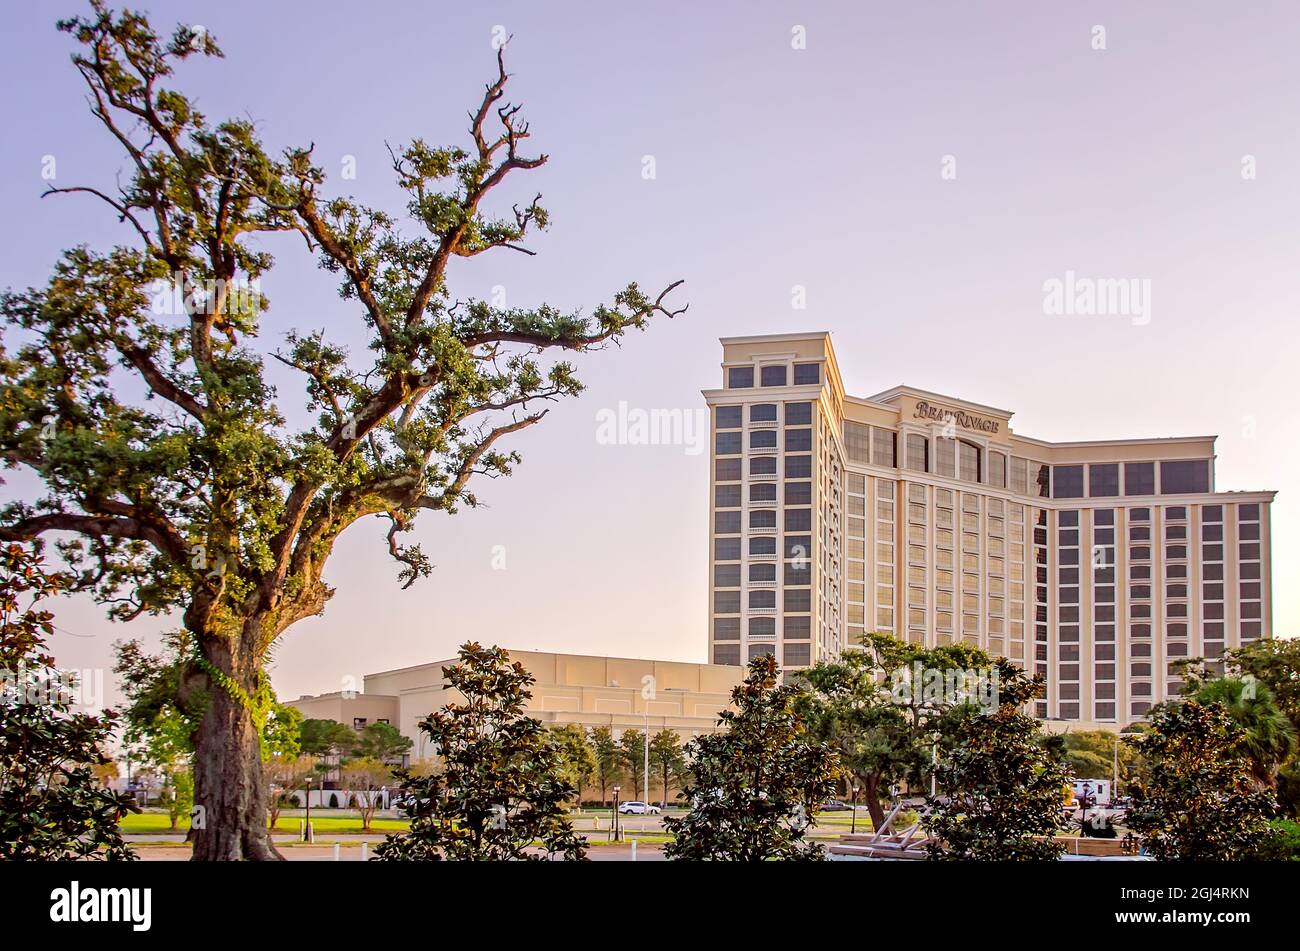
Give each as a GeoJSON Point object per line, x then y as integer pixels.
{"type": "Point", "coordinates": [616, 692]}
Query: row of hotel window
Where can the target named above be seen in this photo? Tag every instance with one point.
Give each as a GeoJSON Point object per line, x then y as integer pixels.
{"type": "Point", "coordinates": [957, 458]}
{"type": "Point", "coordinates": [774, 374]}
{"type": "Point", "coordinates": [969, 462]}
{"type": "Point", "coordinates": [1141, 688]}
{"type": "Point", "coordinates": [792, 655]}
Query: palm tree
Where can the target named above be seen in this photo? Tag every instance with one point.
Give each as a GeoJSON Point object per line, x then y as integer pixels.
{"type": "Point", "coordinates": [1270, 738]}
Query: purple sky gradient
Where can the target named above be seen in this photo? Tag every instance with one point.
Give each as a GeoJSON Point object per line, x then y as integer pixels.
{"type": "Point", "coordinates": [775, 167]}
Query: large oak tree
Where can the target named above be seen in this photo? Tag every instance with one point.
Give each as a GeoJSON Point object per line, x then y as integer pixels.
{"type": "Point", "coordinates": [199, 497]}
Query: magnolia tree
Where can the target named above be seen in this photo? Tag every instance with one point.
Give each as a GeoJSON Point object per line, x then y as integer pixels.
{"type": "Point", "coordinates": [754, 785]}
{"type": "Point", "coordinates": [1000, 785]}
{"type": "Point", "coordinates": [498, 788]}
{"type": "Point", "coordinates": [1200, 802]}
{"type": "Point", "coordinates": [172, 479]}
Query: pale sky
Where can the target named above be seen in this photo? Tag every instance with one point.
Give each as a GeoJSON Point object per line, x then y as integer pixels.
{"type": "Point", "coordinates": [775, 167]}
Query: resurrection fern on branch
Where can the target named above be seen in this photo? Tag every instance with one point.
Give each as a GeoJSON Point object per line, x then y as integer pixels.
{"type": "Point", "coordinates": [199, 498]}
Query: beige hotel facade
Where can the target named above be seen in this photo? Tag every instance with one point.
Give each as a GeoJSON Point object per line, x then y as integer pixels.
{"type": "Point", "coordinates": [1099, 564]}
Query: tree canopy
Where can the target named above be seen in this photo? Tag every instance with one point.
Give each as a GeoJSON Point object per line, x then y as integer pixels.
{"type": "Point", "coordinates": [134, 385]}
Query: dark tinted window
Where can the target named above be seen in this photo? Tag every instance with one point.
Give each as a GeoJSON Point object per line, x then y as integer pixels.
{"type": "Point", "coordinates": [807, 373]}
{"type": "Point", "coordinates": [798, 546]}
{"type": "Point", "coordinates": [798, 467]}
{"type": "Point", "coordinates": [728, 469]}
{"type": "Point", "coordinates": [797, 440]}
{"type": "Point", "coordinates": [1103, 480]}
{"type": "Point", "coordinates": [798, 600]}
{"type": "Point", "coordinates": [762, 465]}
{"type": "Point", "coordinates": [726, 523]}
{"type": "Point", "coordinates": [1139, 478]}
{"type": "Point", "coordinates": [729, 417]}
{"type": "Point", "coordinates": [1067, 482]}
{"type": "Point", "coordinates": [796, 655]}
{"type": "Point", "coordinates": [762, 439]}
{"type": "Point", "coordinates": [726, 602]}
{"type": "Point", "coordinates": [727, 496]}
{"type": "Point", "coordinates": [1179, 477]}
{"type": "Point", "coordinates": [798, 493]}
{"type": "Point", "coordinates": [726, 576]}
{"type": "Point", "coordinates": [797, 626]}
{"type": "Point", "coordinates": [727, 444]}
{"type": "Point", "coordinates": [726, 549]}
{"type": "Point", "coordinates": [740, 378]}
{"type": "Point", "coordinates": [774, 376]}
{"type": "Point", "coordinates": [798, 414]}
{"type": "Point", "coordinates": [762, 413]}
{"type": "Point", "coordinates": [798, 520]}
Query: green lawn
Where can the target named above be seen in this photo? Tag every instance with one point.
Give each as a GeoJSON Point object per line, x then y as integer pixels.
{"type": "Point", "coordinates": [339, 823]}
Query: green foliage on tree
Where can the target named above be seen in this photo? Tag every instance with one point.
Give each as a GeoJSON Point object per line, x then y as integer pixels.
{"type": "Point", "coordinates": [326, 738]}
{"type": "Point", "coordinates": [873, 706]}
{"type": "Point", "coordinates": [52, 805]}
{"type": "Point", "coordinates": [667, 761]}
{"type": "Point", "coordinates": [282, 733]}
{"type": "Point", "coordinates": [578, 760]}
{"type": "Point", "coordinates": [500, 786]}
{"type": "Point", "coordinates": [383, 742]}
{"type": "Point", "coordinates": [631, 751]}
{"type": "Point", "coordinates": [165, 707]}
{"type": "Point", "coordinates": [1000, 787]}
{"type": "Point", "coordinates": [134, 388]}
{"type": "Point", "coordinates": [755, 784]}
{"type": "Point", "coordinates": [1275, 663]}
{"type": "Point", "coordinates": [1267, 674]}
{"type": "Point", "coordinates": [1200, 802]}
{"type": "Point", "coordinates": [1268, 740]}
{"type": "Point", "coordinates": [609, 759]}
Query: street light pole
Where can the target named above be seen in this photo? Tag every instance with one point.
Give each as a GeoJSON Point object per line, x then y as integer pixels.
{"type": "Point", "coordinates": [306, 828]}
{"type": "Point", "coordinates": [613, 825]}
{"type": "Point", "coordinates": [854, 824]}
{"type": "Point", "coordinates": [645, 766]}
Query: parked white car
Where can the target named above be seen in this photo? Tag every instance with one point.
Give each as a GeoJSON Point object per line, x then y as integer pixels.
{"type": "Point", "coordinates": [638, 809]}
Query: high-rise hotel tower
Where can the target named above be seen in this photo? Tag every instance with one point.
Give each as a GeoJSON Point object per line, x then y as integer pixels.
{"type": "Point", "coordinates": [1099, 564]}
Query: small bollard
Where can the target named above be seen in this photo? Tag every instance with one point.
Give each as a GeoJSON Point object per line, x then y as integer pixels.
{"type": "Point", "coordinates": [336, 851]}
{"type": "Point", "coordinates": [634, 850]}
{"type": "Point", "coordinates": [365, 851]}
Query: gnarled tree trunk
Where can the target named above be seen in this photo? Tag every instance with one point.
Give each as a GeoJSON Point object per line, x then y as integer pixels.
{"type": "Point", "coordinates": [230, 794]}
